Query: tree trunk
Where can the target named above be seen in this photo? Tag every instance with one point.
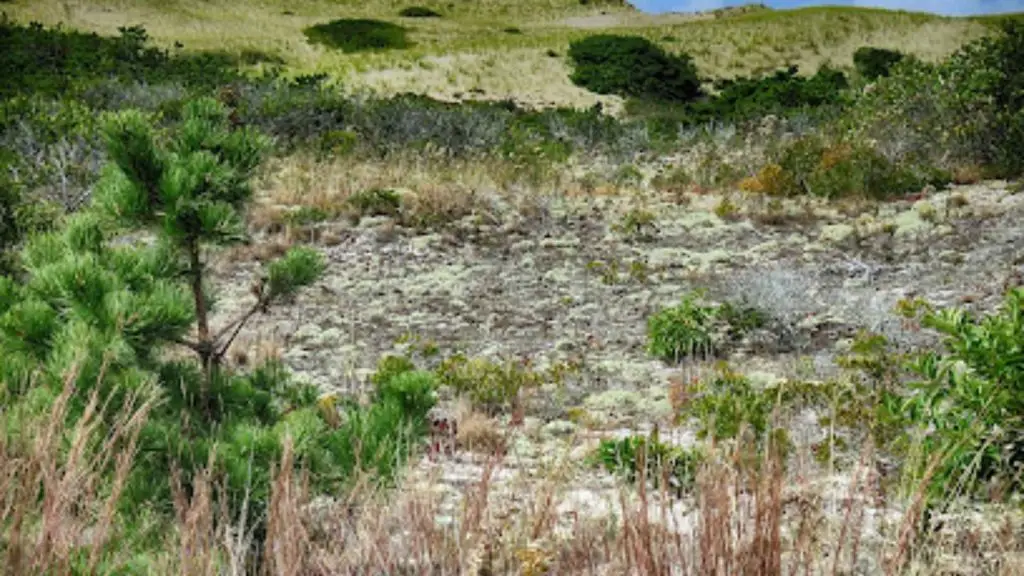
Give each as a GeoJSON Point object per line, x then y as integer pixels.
{"type": "Point", "coordinates": [205, 345]}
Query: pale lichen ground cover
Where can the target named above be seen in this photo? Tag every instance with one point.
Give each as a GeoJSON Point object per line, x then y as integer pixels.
{"type": "Point", "coordinates": [508, 284]}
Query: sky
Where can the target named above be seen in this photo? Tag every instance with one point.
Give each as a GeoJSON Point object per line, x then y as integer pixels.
{"type": "Point", "coordinates": [944, 7]}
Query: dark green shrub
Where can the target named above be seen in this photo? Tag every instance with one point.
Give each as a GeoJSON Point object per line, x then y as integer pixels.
{"type": "Point", "coordinates": [632, 66]}
{"type": "Point", "coordinates": [512, 30]}
{"type": "Point", "coordinates": [358, 35]}
{"type": "Point", "coordinates": [965, 112]}
{"type": "Point", "coordinates": [873, 63]}
{"type": "Point", "coordinates": [56, 61]}
{"type": "Point", "coordinates": [784, 91]}
{"type": "Point", "coordinates": [665, 466]}
{"type": "Point", "coordinates": [418, 12]}
{"type": "Point", "coordinates": [741, 99]}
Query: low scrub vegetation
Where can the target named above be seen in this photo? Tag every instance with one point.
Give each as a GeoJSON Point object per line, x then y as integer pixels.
{"type": "Point", "coordinates": [48, 122]}
{"type": "Point", "coordinates": [835, 170]}
{"type": "Point", "coordinates": [949, 415]}
{"type": "Point", "coordinates": [646, 459]}
{"type": "Point", "coordinates": [697, 329]}
{"type": "Point", "coordinates": [43, 61]}
{"type": "Point", "coordinates": [964, 111]}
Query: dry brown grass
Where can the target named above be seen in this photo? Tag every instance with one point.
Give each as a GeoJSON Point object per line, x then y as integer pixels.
{"type": "Point", "coordinates": [750, 517]}
{"type": "Point", "coordinates": [59, 488]}
{"type": "Point", "coordinates": [255, 350]}
{"type": "Point", "coordinates": [434, 193]}
{"type": "Point", "coordinates": [761, 521]}
{"type": "Point", "coordinates": [477, 432]}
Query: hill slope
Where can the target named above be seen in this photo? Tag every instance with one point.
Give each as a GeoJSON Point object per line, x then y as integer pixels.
{"type": "Point", "coordinates": [498, 49]}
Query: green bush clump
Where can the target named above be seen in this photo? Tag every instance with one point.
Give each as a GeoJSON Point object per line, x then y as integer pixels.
{"type": "Point", "coordinates": [375, 202]}
{"type": "Point", "coordinates": [952, 415]}
{"type": "Point", "coordinates": [726, 403]}
{"type": "Point", "coordinates": [378, 438]}
{"type": "Point", "coordinates": [784, 93]}
{"type": "Point", "coordinates": [54, 61]}
{"type": "Point", "coordinates": [664, 465]}
{"type": "Point", "coordinates": [968, 398]}
{"type": "Point", "coordinates": [813, 166]}
{"type": "Point", "coordinates": [694, 328]}
{"type": "Point", "coordinates": [991, 71]}
{"type": "Point", "coordinates": [632, 66]}
{"type": "Point", "coordinates": [358, 35]}
{"type": "Point", "coordinates": [490, 386]}
{"type": "Point", "coordinates": [873, 63]}
{"type": "Point", "coordinates": [682, 331]}
{"type": "Point", "coordinates": [964, 112]}
{"type": "Point", "coordinates": [419, 12]}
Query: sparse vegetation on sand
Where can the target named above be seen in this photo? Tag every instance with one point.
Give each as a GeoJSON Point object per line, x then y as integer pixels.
{"type": "Point", "coordinates": [740, 296]}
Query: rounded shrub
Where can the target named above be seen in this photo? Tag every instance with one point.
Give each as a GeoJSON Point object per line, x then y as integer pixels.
{"type": "Point", "coordinates": [874, 63]}
{"type": "Point", "coordinates": [419, 12]}
{"type": "Point", "coordinates": [632, 66]}
{"type": "Point", "coordinates": [681, 331]}
{"type": "Point", "coordinates": [358, 35]}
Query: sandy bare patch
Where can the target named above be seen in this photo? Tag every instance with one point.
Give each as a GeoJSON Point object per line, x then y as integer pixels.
{"type": "Point", "coordinates": [595, 21]}
{"type": "Point", "coordinates": [485, 76]}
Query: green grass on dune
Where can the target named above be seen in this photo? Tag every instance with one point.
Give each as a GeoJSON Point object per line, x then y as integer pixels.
{"type": "Point", "coordinates": [468, 49]}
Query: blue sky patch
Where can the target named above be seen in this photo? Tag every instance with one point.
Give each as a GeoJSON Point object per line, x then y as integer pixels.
{"type": "Point", "coordinates": [944, 7]}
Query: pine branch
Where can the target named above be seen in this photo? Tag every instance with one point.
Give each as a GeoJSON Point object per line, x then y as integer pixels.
{"type": "Point", "coordinates": [263, 298]}
{"type": "Point", "coordinates": [238, 324]}
{"type": "Point", "coordinates": [194, 346]}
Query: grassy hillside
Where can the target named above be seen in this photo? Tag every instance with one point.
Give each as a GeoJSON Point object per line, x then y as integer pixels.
{"type": "Point", "coordinates": [492, 46]}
